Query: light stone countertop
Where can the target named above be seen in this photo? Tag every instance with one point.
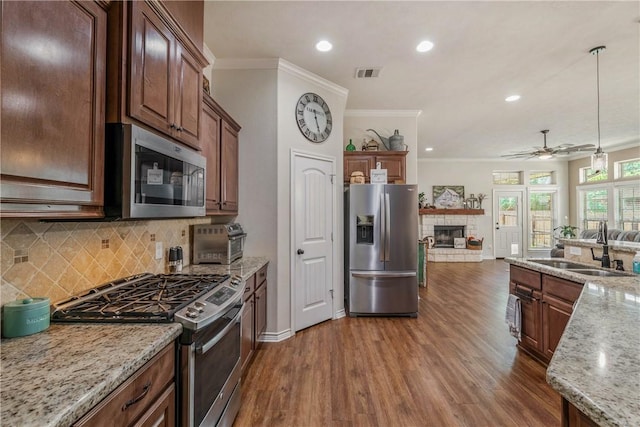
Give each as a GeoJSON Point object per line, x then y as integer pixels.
{"type": "Point", "coordinates": [617, 245]}
{"type": "Point", "coordinates": [53, 378]}
{"type": "Point", "coordinates": [596, 365]}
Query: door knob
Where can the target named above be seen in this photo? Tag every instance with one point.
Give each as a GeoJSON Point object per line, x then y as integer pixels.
{"type": "Point", "coordinates": [300, 251]}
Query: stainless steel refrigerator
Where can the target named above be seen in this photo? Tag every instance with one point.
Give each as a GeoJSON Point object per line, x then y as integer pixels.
{"type": "Point", "coordinates": [381, 244]}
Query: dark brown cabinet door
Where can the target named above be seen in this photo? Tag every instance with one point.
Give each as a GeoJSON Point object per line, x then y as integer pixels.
{"type": "Point", "coordinates": [53, 100]}
{"type": "Point", "coordinates": [247, 323]}
{"type": "Point", "coordinates": [151, 69]}
{"type": "Point", "coordinates": [229, 168]}
{"type": "Point", "coordinates": [188, 96]}
{"type": "Point", "coordinates": [261, 310]}
{"type": "Point", "coordinates": [531, 326]}
{"type": "Point", "coordinates": [395, 167]}
{"type": "Point", "coordinates": [162, 413]}
{"type": "Point", "coordinates": [555, 316]}
{"type": "Point", "coordinates": [393, 161]}
{"type": "Point", "coordinates": [211, 123]}
{"type": "Point", "coordinates": [357, 162]}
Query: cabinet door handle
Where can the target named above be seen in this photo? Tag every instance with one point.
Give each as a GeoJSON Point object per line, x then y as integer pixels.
{"type": "Point", "coordinates": [172, 125]}
{"type": "Point", "coordinates": [135, 400]}
{"type": "Point", "coordinates": [179, 129]}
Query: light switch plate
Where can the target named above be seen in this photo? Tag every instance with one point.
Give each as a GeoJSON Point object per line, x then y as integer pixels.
{"type": "Point", "coordinates": [159, 250]}
{"type": "Point", "coordinates": [575, 250]}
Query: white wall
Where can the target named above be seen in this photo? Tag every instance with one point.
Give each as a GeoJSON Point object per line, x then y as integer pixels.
{"type": "Point", "coordinates": [261, 95]}
{"type": "Point", "coordinates": [476, 177]}
{"type": "Point", "coordinates": [356, 122]}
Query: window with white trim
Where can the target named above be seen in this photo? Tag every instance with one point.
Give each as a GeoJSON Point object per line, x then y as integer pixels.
{"type": "Point", "coordinates": [541, 178]}
{"type": "Point", "coordinates": [594, 207]}
{"type": "Point", "coordinates": [541, 219]}
{"type": "Point", "coordinates": [589, 175]}
{"type": "Point", "coordinates": [628, 207]}
{"type": "Point", "coordinates": [627, 169]}
{"type": "Point", "coordinates": [507, 178]}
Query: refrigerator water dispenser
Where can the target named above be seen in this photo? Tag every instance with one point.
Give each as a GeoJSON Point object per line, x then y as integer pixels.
{"type": "Point", "coordinates": [364, 233]}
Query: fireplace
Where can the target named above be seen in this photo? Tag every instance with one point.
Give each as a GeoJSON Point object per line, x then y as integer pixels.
{"type": "Point", "coordinates": [444, 235]}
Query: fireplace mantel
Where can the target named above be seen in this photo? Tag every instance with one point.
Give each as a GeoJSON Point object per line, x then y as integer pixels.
{"type": "Point", "coordinates": [451, 211]}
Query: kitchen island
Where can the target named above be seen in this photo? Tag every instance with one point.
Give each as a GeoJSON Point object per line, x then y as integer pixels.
{"type": "Point", "coordinates": [596, 365]}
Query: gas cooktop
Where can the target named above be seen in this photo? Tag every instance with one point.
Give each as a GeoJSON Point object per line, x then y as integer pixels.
{"type": "Point", "coordinates": [145, 298]}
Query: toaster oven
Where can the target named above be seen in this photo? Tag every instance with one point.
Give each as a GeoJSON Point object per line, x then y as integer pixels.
{"type": "Point", "coordinates": [217, 243]}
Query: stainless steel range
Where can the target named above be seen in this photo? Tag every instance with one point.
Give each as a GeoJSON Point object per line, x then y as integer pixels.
{"type": "Point", "coordinates": [209, 307]}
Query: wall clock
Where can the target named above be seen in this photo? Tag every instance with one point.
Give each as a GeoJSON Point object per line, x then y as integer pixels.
{"type": "Point", "coordinates": [313, 117]}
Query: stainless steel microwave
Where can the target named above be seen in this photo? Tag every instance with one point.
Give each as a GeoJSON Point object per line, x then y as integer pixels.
{"type": "Point", "coordinates": [149, 176]}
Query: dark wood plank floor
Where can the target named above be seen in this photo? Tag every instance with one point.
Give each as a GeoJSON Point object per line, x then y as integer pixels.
{"type": "Point", "coordinates": [455, 365]}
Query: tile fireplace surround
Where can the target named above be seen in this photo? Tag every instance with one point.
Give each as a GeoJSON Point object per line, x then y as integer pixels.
{"type": "Point", "coordinates": [427, 223]}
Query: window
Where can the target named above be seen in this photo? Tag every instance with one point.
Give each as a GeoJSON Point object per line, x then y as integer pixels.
{"type": "Point", "coordinates": [588, 175]}
{"type": "Point", "coordinates": [541, 178]}
{"type": "Point", "coordinates": [594, 207]}
{"type": "Point", "coordinates": [541, 216]}
{"type": "Point", "coordinates": [507, 178]}
{"type": "Point", "coordinates": [627, 169]}
{"type": "Point", "coordinates": [628, 207]}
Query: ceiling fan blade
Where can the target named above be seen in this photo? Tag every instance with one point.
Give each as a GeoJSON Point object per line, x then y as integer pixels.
{"type": "Point", "coordinates": [576, 148]}
{"type": "Point", "coordinates": [520, 155]}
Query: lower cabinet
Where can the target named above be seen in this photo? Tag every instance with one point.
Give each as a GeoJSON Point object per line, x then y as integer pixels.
{"type": "Point", "coordinates": [573, 417]}
{"type": "Point", "coordinates": [147, 398]}
{"type": "Point", "coordinates": [546, 304]}
{"type": "Point", "coordinates": [254, 318]}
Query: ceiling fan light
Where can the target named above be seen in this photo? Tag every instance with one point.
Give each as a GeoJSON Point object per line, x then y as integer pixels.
{"type": "Point", "coordinates": [545, 156]}
{"type": "Point", "coordinates": [599, 160]}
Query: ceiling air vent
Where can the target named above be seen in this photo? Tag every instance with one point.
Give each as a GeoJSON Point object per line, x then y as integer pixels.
{"type": "Point", "coordinates": [367, 72]}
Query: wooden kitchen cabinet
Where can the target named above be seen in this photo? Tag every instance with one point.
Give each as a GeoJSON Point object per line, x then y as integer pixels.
{"type": "Point", "coordinates": [53, 109]}
{"type": "Point", "coordinates": [147, 398]}
{"type": "Point", "coordinates": [155, 70]}
{"type": "Point", "coordinates": [364, 161]}
{"type": "Point", "coordinates": [254, 318]}
{"type": "Point", "coordinates": [546, 305]}
{"type": "Point", "coordinates": [220, 147]}
{"type": "Point", "coordinates": [573, 417]}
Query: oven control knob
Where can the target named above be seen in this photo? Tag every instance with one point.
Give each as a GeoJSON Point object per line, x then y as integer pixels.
{"type": "Point", "coordinates": [199, 306]}
{"type": "Point", "coordinates": [235, 281]}
{"type": "Point", "coordinates": [192, 313]}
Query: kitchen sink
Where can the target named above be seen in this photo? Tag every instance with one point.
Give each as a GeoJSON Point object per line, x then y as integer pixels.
{"type": "Point", "coordinates": [601, 273]}
{"type": "Point", "coordinates": [565, 265]}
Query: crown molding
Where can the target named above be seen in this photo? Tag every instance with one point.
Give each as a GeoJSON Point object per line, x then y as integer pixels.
{"type": "Point", "coordinates": [246, 64]}
{"type": "Point", "coordinates": [383, 113]}
{"type": "Point", "coordinates": [301, 73]}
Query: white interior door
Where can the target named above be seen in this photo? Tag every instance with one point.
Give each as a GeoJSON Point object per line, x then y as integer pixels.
{"type": "Point", "coordinates": [312, 227]}
{"type": "Point", "coordinates": [507, 218]}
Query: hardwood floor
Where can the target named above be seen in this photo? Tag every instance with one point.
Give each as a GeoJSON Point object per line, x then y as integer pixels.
{"type": "Point", "coordinates": [455, 365]}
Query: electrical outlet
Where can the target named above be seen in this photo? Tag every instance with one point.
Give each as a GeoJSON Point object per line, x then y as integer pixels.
{"type": "Point", "coordinates": [159, 250]}
{"type": "Point", "coordinates": [575, 250]}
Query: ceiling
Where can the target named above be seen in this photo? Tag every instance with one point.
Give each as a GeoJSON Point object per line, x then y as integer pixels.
{"type": "Point", "coordinates": [484, 51]}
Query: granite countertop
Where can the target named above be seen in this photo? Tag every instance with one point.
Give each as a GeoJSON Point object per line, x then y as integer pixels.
{"type": "Point", "coordinates": [596, 365]}
{"type": "Point", "coordinates": [618, 245]}
{"type": "Point", "coordinates": [56, 376]}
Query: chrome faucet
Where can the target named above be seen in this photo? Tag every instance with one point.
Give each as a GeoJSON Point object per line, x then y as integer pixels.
{"type": "Point", "coordinates": [601, 239]}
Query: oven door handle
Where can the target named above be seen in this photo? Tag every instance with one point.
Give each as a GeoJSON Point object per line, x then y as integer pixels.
{"type": "Point", "coordinates": [208, 345]}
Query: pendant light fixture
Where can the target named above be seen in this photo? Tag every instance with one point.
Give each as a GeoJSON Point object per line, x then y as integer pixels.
{"type": "Point", "coordinates": [599, 158]}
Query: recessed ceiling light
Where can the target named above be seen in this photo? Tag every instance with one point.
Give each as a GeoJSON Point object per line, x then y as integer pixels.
{"type": "Point", "coordinates": [428, 149]}
{"type": "Point", "coordinates": [512, 98]}
{"type": "Point", "coordinates": [424, 46]}
{"type": "Point", "coordinates": [324, 46]}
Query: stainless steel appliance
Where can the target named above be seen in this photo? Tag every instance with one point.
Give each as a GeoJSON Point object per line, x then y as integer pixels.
{"type": "Point", "coordinates": [217, 243]}
{"type": "Point", "coordinates": [149, 176]}
{"type": "Point", "coordinates": [209, 307]}
{"type": "Point", "coordinates": [381, 259]}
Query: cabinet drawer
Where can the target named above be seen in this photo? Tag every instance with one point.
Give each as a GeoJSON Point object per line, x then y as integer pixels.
{"type": "Point", "coordinates": [561, 288]}
{"type": "Point", "coordinates": [249, 287]}
{"type": "Point", "coordinates": [261, 276]}
{"type": "Point", "coordinates": [131, 399]}
{"type": "Point", "coordinates": [526, 277]}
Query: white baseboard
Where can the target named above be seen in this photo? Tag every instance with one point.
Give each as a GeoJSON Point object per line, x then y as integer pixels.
{"type": "Point", "coordinates": [340, 314]}
{"type": "Point", "coordinates": [276, 336]}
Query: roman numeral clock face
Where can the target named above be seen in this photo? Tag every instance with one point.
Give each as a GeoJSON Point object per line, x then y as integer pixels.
{"type": "Point", "coordinates": [313, 117]}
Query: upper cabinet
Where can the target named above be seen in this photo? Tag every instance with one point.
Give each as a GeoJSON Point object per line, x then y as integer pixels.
{"type": "Point", "coordinates": [164, 71]}
{"type": "Point", "coordinates": [220, 147]}
{"type": "Point", "coordinates": [393, 161]}
{"type": "Point", "coordinates": [53, 100]}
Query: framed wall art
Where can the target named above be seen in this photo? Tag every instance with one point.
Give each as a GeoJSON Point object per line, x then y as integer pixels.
{"type": "Point", "coordinates": [448, 196]}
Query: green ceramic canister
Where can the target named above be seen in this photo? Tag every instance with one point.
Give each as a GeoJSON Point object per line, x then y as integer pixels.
{"type": "Point", "coordinates": [25, 317]}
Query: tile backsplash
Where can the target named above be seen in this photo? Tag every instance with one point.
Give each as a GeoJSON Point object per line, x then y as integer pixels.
{"type": "Point", "coordinates": [60, 259]}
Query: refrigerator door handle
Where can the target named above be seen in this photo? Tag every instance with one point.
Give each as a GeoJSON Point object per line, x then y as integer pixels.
{"type": "Point", "coordinates": [387, 228]}
{"type": "Point", "coordinates": [382, 228]}
{"type": "Point", "coordinates": [372, 275]}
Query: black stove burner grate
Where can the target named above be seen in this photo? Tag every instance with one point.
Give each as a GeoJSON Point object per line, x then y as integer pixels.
{"type": "Point", "coordinates": [141, 298]}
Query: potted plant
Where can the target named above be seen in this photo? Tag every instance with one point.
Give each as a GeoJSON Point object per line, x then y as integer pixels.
{"type": "Point", "coordinates": [567, 231]}
{"type": "Point", "coordinates": [422, 200]}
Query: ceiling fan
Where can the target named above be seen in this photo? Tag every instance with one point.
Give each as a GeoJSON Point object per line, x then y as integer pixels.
{"type": "Point", "coordinates": [545, 152]}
